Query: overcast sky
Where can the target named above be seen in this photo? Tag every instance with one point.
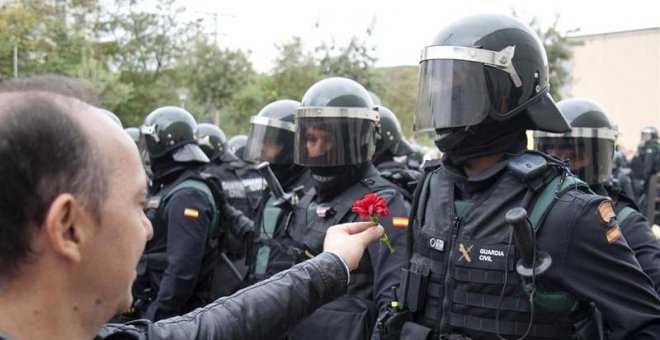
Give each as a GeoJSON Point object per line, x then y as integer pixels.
{"type": "Point", "coordinates": [400, 28]}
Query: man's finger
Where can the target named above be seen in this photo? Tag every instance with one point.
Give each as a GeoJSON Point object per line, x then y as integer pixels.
{"type": "Point", "coordinates": [354, 227]}
{"type": "Point", "coordinates": [370, 234]}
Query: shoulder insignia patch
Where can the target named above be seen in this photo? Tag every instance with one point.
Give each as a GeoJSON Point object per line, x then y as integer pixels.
{"type": "Point", "coordinates": [613, 234]}
{"type": "Point", "coordinates": [191, 213]}
{"type": "Point", "coordinates": [605, 212]}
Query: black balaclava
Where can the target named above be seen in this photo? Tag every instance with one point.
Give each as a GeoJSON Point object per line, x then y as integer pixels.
{"type": "Point", "coordinates": [329, 181]}
{"type": "Point", "coordinates": [487, 138]}
{"type": "Point", "coordinates": [287, 173]}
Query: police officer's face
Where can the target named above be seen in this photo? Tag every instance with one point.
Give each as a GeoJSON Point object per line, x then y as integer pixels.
{"type": "Point", "coordinates": [270, 149]}
{"type": "Point", "coordinates": [318, 141]}
{"type": "Point", "coordinates": [577, 160]}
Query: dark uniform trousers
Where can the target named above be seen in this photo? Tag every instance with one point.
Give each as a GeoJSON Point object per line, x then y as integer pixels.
{"type": "Point", "coordinates": [464, 259]}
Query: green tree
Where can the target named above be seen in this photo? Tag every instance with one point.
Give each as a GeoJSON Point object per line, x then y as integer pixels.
{"type": "Point", "coordinates": [559, 50]}
{"type": "Point", "coordinates": [48, 36]}
{"type": "Point", "coordinates": [354, 61]}
{"type": "Point", "coordinates": [294, 72]}
{"type": "Point", "coordinates": [215, 76]}
{"type": "Point", "coordinates": [144, 47]}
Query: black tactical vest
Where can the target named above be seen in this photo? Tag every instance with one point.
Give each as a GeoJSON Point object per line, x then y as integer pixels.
{"type": "Point", "coordinates": [243, 188]}
{"type": "Point", "coordinates": [460, 262]}
{"type": "Point", "coordinates": [268, 255]}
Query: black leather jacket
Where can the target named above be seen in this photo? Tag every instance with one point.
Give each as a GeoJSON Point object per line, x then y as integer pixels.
{"type": "Point", "coordinates": [265, 310]}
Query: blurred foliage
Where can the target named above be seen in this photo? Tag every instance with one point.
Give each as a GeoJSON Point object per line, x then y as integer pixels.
{"type": "Point", "coordinates": [140, 55]}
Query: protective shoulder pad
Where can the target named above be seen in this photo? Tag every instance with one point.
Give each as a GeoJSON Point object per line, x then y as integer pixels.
{"type": "Point", "coordinates": [552, 192]}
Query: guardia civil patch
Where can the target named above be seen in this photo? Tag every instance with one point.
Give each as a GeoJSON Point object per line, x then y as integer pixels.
{"type": "Point", "coordinates": [605, 212]}
{"type": "Point", "coordinates": [191, 212]}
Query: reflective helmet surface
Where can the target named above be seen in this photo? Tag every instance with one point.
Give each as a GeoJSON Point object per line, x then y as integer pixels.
{"type": "Point", "coordinates": [272, 133]}
{"type": "Point", "coordinates": [134, 133]}
{"type": "Point", "coordinates": [485, 66]}
{"type": "Point", "coordinates": [391, 135]}
{"type": "Point", "coordinates": [211, 140]}
{"type": "Point", "coordinates": [651, 131]}
{"type": "Point", "coordinates": [336, 125]}
{"type": "Point", "coordinates": [236, 145]}
{"type": "Point", "coordinates": [589, 146]}
{"type": "Point", "coordinates": [171, 129]}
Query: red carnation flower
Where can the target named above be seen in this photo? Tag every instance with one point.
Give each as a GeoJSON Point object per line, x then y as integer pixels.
{"type": "Point", "coordinates": [371, 207]}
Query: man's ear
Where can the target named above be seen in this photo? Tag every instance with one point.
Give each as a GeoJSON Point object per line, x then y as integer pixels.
{"type": "Point", "coordinates": [65, 227]}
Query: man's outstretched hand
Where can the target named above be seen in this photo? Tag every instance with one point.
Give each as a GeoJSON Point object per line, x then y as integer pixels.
{"type": "Point", "coordinates": [349, 240]}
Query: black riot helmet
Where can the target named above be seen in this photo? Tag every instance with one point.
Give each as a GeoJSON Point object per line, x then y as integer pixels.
{"type": "Point", "coordinates": [589, 146]}
{"type": "Point", "coordinates": [335, 125]}
{"type": "Point", "coordinates": [211, 140]}
{"type": "Point", "coordinates": [134, 133]}
{"type": "Point", "coordinates": [272, 133]}
{"type": "Point", "coordinates": [483, 69]}
{"type": "Point", "coordinates": [649, 134]}
{"type": "Point", "coordinates": [391, 135]}
{"type": "Point", "coordinates": [171, 130]}
{"type": "Point", "coordinates": [236, 145]}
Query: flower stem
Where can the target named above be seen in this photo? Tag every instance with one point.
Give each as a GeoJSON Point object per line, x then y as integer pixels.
{"type": "Point", "coordinates": [383, 238]}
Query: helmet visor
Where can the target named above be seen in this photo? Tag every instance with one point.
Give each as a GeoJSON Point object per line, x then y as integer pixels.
{"type": "Point", "coordinates": [589, 158]}
{"type": "Point", "coordinates": [269, 141]}
{"type": "Point", "coordinates": [190, 152]}
{"type": "Point", "coordinates": [452, 93]}
{"type": "Point", "coordinates": [334, 136]}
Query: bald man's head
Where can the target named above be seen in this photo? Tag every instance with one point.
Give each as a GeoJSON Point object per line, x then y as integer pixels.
{"type": "Point", "coordinates": [45, 151]}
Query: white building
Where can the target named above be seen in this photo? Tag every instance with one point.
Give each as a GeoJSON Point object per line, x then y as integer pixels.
{"type": "Point", "coordinates": [621, 71]}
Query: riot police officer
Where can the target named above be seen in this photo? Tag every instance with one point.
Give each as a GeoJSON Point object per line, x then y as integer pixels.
{"type": "Point", "coordinates": [335, 138]}
{"type": "Point", "coordinates": [649, 151]}
{"type": "Point", "coordinates": [174, 273]}
{"type": "Point", "coordinates": [242, 189]}
{"type": "Point", "coordinates": [236, 145]}
{"type": "Point", "coordinates": [483, 82]}
{"type": "Point", "coordinates": [589, 148]}
{"type": "Point", "coordinates": [391, 144]}
{"type": "Point", "coordinates": [271, 140]}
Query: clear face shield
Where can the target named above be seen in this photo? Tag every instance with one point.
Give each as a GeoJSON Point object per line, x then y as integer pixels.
{"type": "Point", "coordinates": [267, 140]}
{"type": "Point", "coordinates": [454, 85]}
{"type": "Point", "coordinates": [334, 136]}
{"type": "Point", "coordinates": [588, 150]}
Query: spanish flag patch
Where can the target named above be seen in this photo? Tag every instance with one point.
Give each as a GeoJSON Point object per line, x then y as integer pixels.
{"type": "Point", "coordinates": [191, 213]}
{"type": "Point", "coordinates": [400, 222]}
{"type": "Point", "coordinates": [613, 234]}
